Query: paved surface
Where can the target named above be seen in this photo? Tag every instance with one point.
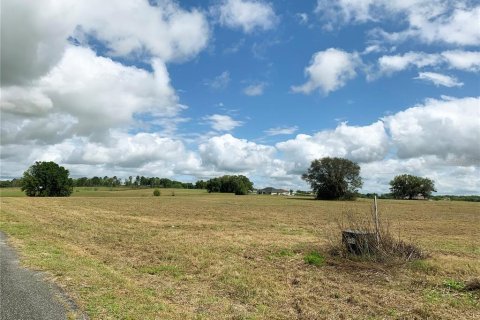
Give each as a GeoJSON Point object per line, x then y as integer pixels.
{"type": "Point", "coordinates": [24, 294]}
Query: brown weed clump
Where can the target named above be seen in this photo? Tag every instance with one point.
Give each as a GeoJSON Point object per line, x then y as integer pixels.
{"type": "Point", "coordinates": [371, 243]}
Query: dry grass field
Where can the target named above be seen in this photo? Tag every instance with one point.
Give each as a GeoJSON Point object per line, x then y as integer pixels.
{"type": "Point", "coordinates": [212, 256]}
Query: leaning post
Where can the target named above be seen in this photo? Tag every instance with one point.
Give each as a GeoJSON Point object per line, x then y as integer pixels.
{"type": "Point", "coordinates": [375, 210]}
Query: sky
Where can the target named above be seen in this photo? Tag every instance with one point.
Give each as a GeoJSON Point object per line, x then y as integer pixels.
{"type": "Point", "coordinates": [192, 90]}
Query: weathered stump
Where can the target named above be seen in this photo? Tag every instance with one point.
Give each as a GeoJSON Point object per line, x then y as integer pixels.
{"type": "Point", "coordinates": [359, 242]}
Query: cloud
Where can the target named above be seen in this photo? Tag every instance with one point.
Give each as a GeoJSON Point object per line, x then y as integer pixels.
{"type": "Point", "coordinates": [222, 122]}
{"type": "Point", "coordinates": [457, 59]}
{"type": "Point", "coordinates": [163, 30]}
{"type": "Point", "coordinates": [281, 131]}
{"type": "Point", "coordinates": [302, 18]}
{"type": "Point", "coordinates": [219, 82]}
{"type": "Point", "coordinates": [447, 129]}
{"type": "Point", "coordinates": [439, 79]}
{"type": "Point", "coordinates": [33, 38]}
{"type": "Point", "coordinates": [34, 35]}
{"type": "Point", "coordinates": [425, 20]}
{"type": "Point", "coordinates": [463, 60]}
{"type": "Point", "coordinates": [248, 15]}
{"type": "Point", "coordinates": [254, 89]}
{"type": "Point", "coordinates": [328, 71]}
{"type": "Point", "coordinates": [85, 95]}
{"type": "Point", "coordinates": [362, 144]}
{"type": "Point", "coordinates": [227, 153]}
{"type": "Point", "coordinates": [132, 151]}
{"type": "Point", "coordinates": [394, 63]}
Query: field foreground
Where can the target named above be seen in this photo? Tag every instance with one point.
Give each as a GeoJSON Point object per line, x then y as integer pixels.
{"type": "Point", "coordinates": [206, 256]}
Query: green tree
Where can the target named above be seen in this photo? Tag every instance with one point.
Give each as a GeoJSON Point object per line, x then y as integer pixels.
{"type": "Point", "coordinates": [240, 185]}
{"type": "Point", "coordinates": [47, 179]}
{"type": "Point", "coordinates": [200, 184]}
{"type": "Point", "coordinates": [407, 186]}
{"type": "Point", "coordinates": [334, 178]}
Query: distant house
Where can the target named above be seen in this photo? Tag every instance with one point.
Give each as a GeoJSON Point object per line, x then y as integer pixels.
{"type": "Point", "coordinates": [273, 191]}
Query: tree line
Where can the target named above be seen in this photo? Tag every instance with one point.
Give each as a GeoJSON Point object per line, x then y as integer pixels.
{"type": "Point", "coordinates": [138, 181]}
{"type": "Point", "coordinates": [329, 178]}
{"type": "Point", "coordinates": [112, 182]}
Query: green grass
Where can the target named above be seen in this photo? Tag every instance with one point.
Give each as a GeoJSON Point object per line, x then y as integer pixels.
{"type": "Point", "coordinates": [454, 284]}
{"type": "Point", "coordinates": [162, 269]}
{"type": "Point", "coordinates": [423, 266]}
{"type": "Point", "coordinates": [314, 258]}
{"type": "Point", "coordinates": [112, 192]}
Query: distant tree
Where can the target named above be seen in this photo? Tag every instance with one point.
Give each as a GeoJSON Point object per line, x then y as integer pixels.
{"type": "Point", "coordinates": [240, 185]}
{"type": "Point", "coordinates": [407, 186]}
{"type": "Point", "coordinates": [47, 179]}
{"type": "Point", "coordinates": [334, 178]}
{"type": "Point", "coordinates": [200, 184]}
{"type": "Point", "coordinates": [14, 183]}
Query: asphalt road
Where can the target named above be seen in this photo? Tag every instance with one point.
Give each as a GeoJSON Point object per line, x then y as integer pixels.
{"type": "Point", "coordinates": [25, 294]}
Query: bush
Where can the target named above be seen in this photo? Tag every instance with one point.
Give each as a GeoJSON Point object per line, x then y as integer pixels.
{"type": "Point", "coordinates": [156, 193]}
{"type": "Point", "coordinates": [387, 249]}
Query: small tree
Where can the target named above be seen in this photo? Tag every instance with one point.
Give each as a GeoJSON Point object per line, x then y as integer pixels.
{"type": "Point", "coordinates": [156, 193]}
{"type": "Point", "coordinates": [47, 179]}
{"type": "Point", "coordinates": [407, 186]}
{"type": "Point", "coordinates": [334, 178]}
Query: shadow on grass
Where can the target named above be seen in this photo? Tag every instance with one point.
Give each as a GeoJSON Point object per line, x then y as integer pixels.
{"type": "Point", "coordinates": [301, 198]}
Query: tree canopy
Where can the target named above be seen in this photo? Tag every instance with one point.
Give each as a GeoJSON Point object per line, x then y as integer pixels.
{"type": "Point", "coordinates": [334, 178]}
{"type": "Point", "coordinates": [407, 186]}
{"type": "Point", "coordinates": [240, 185]}
{"type": "Point", "coordinates": [47, 179]}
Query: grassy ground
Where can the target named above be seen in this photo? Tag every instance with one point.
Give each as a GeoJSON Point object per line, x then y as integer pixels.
{"type": "Point", "coordinates": [110, 192]}
{"type": "Point", "coordinates": [129, 255]}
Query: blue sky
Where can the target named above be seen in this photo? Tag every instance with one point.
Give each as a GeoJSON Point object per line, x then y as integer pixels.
{"type": "Point", "coordinates": [192, 91]}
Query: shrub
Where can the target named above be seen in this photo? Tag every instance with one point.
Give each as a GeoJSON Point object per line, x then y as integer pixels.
{"type": "Point", "coordinates": [156, 193]}
{"type": "Point", "coordinates": [388, 248]}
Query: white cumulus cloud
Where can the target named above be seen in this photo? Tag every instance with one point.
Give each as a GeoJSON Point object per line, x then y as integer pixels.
{"type": "Point", "coordinates": [248, 15]}
{"type": "Point", "coordinates": [85, 95]}
{"type": "Point", "coordinates": [430, 21]}
{"type": "Point", "coordinates": [463, 60]}
{"type": "Point", "coordinates": [448, 129]}
{"type": "Point", "coordinates": [221, 122]}
{"type": "Point", "coordinates": [329, 70]}
{"type": "Point", "coordinates": [362, 144]}
{"type": "Point", "coordinates": [454, 59]}
{"type": "Point", "coordinates": [227, 153]}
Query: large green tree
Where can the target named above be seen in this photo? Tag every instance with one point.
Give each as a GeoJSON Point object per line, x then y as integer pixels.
{"type": "Point", "coordinates": [240, 185]}
{"type": "Point", "coordinates": [334, 178]}
{"type": "Point", "coordinates": [47, 179]}
{"type": "Point", "coordinates": [407, 186]}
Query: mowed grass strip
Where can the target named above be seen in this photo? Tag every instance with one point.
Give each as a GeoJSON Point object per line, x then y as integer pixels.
{"type": "Point", "coordinates": [213, 256]}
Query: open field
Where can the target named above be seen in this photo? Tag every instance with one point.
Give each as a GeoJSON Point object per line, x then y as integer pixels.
{"type": "Point", "coordinates": [129, 255]}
